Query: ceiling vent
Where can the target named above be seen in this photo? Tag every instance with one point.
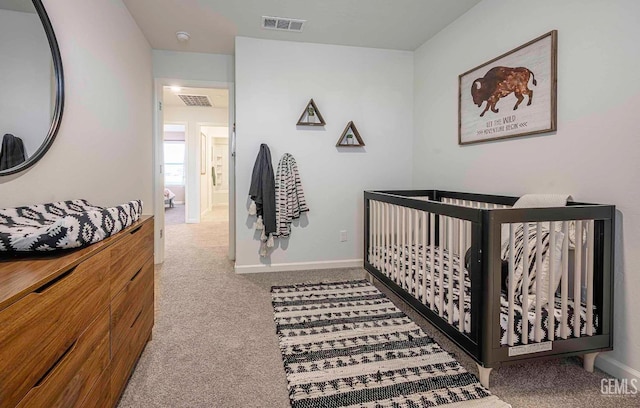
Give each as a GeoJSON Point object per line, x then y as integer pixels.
{"type": "Point", "coordinates": [282, 24]}
{"type": "Point", "coordinates": [196, 100]}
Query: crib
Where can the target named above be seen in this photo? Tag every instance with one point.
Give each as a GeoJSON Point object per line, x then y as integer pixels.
{"type": "Point", "coordinates": [505, 284]}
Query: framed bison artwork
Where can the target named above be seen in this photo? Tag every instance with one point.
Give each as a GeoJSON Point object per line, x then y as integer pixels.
{"type": "Point", "coordinates": [511, 95]}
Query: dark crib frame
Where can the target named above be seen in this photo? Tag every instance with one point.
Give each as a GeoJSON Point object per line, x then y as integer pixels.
{"type": "Point", "coordinates": [483, 342]}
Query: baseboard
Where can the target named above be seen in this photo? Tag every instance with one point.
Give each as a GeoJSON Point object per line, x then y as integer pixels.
{"type": "Point", "coordinates": [300, 266]}
{"type": "Point", "coordinates": [615, 368]}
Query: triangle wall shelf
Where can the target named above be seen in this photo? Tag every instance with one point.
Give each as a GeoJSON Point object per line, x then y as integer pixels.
{"type": "Point", "coordinates": [311, 116]}
{"type": "Point", "coordinates": [350, 137]}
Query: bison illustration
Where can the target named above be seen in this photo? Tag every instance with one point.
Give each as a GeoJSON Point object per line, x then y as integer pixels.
{"type": "Point", "coordinates": [500, 82]}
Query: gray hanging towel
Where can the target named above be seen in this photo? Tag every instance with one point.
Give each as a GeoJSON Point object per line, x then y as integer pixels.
{"type": "Point", "coordinates": [12, 152]}
{"type": "Point", "coordinates": [262, 192]}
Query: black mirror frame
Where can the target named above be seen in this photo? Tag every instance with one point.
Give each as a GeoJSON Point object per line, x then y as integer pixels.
{"type": "Point", "coordinates": [59, 79]}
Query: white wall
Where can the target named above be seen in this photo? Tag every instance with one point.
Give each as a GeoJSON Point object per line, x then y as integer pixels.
{"type": "Point", "coordinates": [374, 88]}
{"type": "Point", "coordinates": [195, 190]}
{"type": "Point", "coordinates": [25, 79]}
{"type": "Point", "coordinates": [193, 66]}
{"type": "Point", "coordinates": [594, 153]}
{"type": "Point", "coordinates": [103, 151]}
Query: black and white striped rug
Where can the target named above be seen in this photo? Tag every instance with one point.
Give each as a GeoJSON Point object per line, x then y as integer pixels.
{"type": "Point", "coordinates": [345, 344]}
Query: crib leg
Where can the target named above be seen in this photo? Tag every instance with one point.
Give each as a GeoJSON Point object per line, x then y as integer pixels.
{"type": "Point", "coordinates": [589, 361]}
{"type": "Point", "coordinates": [370, 278]}
{"type": "Point", "coordinates": [484, 375]}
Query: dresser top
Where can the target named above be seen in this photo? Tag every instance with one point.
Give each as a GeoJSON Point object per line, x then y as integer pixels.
{"type": "Point", "coordinates": [21, 275]}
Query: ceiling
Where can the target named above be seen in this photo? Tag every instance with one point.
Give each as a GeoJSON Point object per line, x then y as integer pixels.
{"type": "Point", "coordinates": [214, 24]}
{"type": "Point", "coordinates": [219, 97]}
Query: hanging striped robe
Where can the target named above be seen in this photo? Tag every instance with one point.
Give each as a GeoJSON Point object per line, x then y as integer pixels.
{"type": "Point", "coordinates": [290, 201]}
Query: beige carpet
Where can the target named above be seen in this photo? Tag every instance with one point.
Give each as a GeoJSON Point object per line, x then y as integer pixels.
{"type": "Point", "coordinates": [214, 342]}
{"type": "Point", "coordinates": [174, 215]}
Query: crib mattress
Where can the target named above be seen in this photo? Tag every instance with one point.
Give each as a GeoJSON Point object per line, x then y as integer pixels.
{"type": "Point", "coordinates": [396, 263]}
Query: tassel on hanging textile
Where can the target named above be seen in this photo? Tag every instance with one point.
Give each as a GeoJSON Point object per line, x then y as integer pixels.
{"type": "Point", "coordinates": [270, 242]}
{"type": "Point", "coordinates": [252, 208]}
{"type": "Point", "coordinates": [260, 224]}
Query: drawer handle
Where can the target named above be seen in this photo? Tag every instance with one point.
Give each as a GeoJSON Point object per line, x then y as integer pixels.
{"type": "Point", "coordinates": [136, 319]}
{"type": "Point", "coordinates": [52, 282]}
{"type": "Point", "coordinates": [133, 231]}
{"type": "Point", "coordinates": [55, 364]}
{"type": "Point", "coordinates": [136, 275]}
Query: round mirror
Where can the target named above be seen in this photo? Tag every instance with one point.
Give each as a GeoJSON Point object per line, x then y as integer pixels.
{"type": "Point", "coordinates": [31, 84]}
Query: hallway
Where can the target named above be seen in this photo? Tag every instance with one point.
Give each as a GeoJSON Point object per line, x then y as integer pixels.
{"type": "Point", "coordinates": [214, 341]}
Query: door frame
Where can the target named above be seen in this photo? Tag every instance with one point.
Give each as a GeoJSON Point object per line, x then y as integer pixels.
{"type": "Point", "coordinates": [158, 175]}
{"type": "Point", "coordinates": [210, 140]}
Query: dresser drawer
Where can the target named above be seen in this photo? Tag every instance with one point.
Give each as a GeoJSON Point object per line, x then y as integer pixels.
{"type": "Point", "coordinates": [123, 362]}
{"type": "Point", "coordinates": [127, 306]}
{"type": "Point", "coordinates": [39, 329]}
{"type": "Point", "coordinates": [100, 395]}
{"type": "Point", "coordinates": [129, 254]}
{"type": "Point", "coordinates": [72, 378]}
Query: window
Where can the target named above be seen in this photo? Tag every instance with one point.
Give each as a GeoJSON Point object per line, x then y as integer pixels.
{"type": "Point", "coordinates": [174, 163]}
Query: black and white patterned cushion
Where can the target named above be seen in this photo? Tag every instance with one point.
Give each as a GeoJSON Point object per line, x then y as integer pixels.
{"type": "Point", "coordinates": [62, 225]}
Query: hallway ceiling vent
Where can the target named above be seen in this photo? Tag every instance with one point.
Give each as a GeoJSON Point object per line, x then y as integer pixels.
{"type": "Point", "coordinates": [282, 24]}
{"type": "Point", "coordinates": [196, 100]}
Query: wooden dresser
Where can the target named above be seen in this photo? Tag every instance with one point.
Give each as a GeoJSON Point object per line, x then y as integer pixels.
{"type": "Point", "coordinates": [73, 326]}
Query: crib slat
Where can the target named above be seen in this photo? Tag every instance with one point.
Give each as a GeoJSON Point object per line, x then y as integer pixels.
{"type": "Point", "coordinates": [525, 283]}
{"type": "Point", "coordinates": [424, 257]}
{"type": "Point", "coordinates": [538, 325]}
{"type": "Point", "coordinates": [406, 247]}
{"type": "Point", "coordinates": [461, 299]}
{"type": "Point", "coordinates": [384, 249]}
{"type": "Point", "coordinates": [551, 296]}
{"type": "Point", "coordinates": [388, 245]}
{"type": "Point", "coordinates": [403, 248]}
{"type": "Point", "coordinates": [577, 275]}
{"type": "Point", "coordinates": [450, 271]}
{"type": "Point", "coordinates": [395, 230]}
{"type": "Point", "coordinates": [410, 251]}
{"type": "Point", "coordinates": [416, 241]}
{"type": "Point", "coordinates": [564, 281]}
{"type": "Point", "coordinates": [590, 226]}
{"type": "Point", "coordinates": [396, 243]}
{"type": "Point", "coordinates": [441, 266]}
{"type": "Point", "coordinates": [432, 254]}
{"type": "Point", "coordinates": [379, 233]}
{"type": "Point", "coordinates": [512, 284]}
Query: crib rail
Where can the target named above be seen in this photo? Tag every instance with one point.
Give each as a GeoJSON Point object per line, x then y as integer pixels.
{"type": "Point", "coordinates": [416, 243]}
{"type": "Point", "coordinates": [578, 241]}
{"type": "Point", "coordinates": [418, 246]}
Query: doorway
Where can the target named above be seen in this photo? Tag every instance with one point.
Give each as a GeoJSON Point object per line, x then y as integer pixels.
{"type": "Point", "coordinates": [174, 150]}
{"type": "Point", "coordinates": [194, 147]}
{"type": "Point", "coordinates": [215, 192]}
